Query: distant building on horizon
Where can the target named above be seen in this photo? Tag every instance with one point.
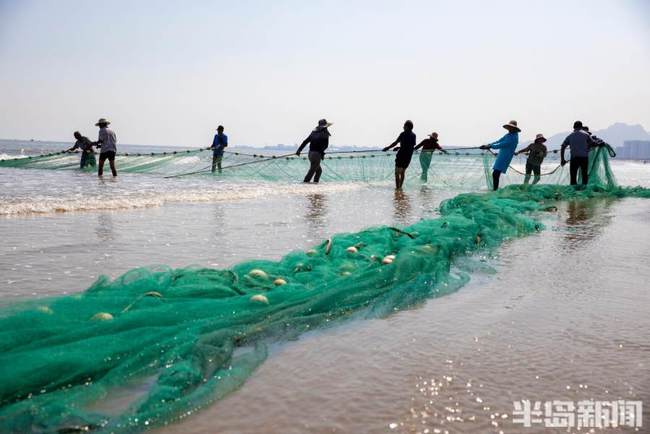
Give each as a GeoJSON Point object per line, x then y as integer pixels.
{"type": "Point", "coordinates": [634, 150]}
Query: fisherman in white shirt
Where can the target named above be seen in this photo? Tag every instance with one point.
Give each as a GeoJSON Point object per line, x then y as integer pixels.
{"type": "Point", "coordinates": [107, 141]}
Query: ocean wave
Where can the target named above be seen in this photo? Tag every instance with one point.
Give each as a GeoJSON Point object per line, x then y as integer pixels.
{"type": "Point", "coordinates": [136, 200]}
{"type": "Point", "coordinates": [4, 156]}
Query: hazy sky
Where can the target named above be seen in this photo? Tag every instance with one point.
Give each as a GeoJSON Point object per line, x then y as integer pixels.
{"type": "Point", "coordinates": [168, 72]}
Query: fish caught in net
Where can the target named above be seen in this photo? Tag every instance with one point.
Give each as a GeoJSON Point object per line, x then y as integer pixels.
{"type": "Point", "coordinates": [183, 338]}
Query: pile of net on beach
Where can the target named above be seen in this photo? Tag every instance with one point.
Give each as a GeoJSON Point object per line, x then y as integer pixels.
{"type": "Point", "coordinates": [183, 338]}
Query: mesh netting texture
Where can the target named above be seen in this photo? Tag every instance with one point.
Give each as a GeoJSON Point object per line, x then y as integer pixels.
{"type": "Point", "coordinates": [183, 338]}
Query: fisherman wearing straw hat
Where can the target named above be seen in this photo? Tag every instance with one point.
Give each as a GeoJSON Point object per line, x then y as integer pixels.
{"type": "Point", "coordinates": [318, 141]}
{"type": "Point", "coordinates": [428, 146]}
{"type": "Point", "coordinates": [506, 146]}
{"type": "Point", "coordinates": [107, 142]}
{"type": "Point", "coordinates": [536, 153]}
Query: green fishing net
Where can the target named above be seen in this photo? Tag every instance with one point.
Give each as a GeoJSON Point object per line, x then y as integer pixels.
{"type": "Point", "coordinates": [337, 166]}
{"type": "Point", "coordinates": [458, 169]}
{"type": "Point", "coordinates": [178, 339]}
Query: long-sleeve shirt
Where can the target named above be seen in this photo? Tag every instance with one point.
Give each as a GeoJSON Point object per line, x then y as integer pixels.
{"type": "Point", "coordinates": [108, 140]}
{"type": "Point", "coordinates": [430, 144]}
{"type": "Point", "coordinates": [579, 142]}
{"type": "Point", "coordinates": [536, 153]}
{"type": "Point", "coordinates": [506, 146]}
{"type": "Point", "coordinates": [219, 142]}
{"type": "Point", "coordinates": [318, 141]}
{"type": "Point", "coordinates": [84, 144]}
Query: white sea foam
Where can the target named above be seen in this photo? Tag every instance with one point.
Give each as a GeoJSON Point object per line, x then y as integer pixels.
{"type": "Point", "coordinates": [73, 202]}
{"type": "Point", "coordinates": [4, 156]}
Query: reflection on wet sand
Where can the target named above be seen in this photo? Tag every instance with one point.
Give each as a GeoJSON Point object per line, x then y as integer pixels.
{"type": "Point", "coordinates": [316, 214]}
{"type": "Point", "coordinates": [402, 207]}
{"type": "Point", "coordinates": [427, 198]}
{"type": "Point", "coordinates": [219, 222]}
{"type": "Point", "coordinates": [104, 229]}
{"type": "Point", "coordinates": [585, 220]}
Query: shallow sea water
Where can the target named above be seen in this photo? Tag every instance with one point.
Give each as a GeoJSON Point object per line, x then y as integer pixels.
{"type": "Point", "coordinates": [564, 314]}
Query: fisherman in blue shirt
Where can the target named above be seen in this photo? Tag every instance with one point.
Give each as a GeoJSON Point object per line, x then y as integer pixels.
{"type": "Point", "coordinates": [507, 145]}
{"type": "Point", "coordinates": [220, 141]}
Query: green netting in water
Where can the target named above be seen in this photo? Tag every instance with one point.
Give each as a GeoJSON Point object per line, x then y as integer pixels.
{"type": "Point", "coordinates": [458, 169]}
{"type": "Point", "coordinates": [344, 166]}
{"type": "Point", "coordinates": [183, 338]}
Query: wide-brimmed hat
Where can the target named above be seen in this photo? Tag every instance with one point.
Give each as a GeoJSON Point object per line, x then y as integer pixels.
{"type": "Point", "coordinates": [540, 138]}
{"type": "Point", "coordinates": [513, 125]}
{"type": "Point", "coordinates": [324, 124]}
{"type": "Point", "coordinates": [102, 121]}
{"type": "Point", "coordinates": [433, 135]}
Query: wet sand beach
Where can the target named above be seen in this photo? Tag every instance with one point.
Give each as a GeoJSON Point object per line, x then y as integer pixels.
{"type": "Point", "coordinates": [559, 315]}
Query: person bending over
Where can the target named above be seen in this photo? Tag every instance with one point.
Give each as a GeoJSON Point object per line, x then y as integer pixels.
{"type": "Point", "coordinates": [87, 152]}
{"type": "Point", "coordinates": [536, 153]}
{"type": "Point", "coordinates": [318, 141]}
{"type": "Point", "coordinates": [428, 146]}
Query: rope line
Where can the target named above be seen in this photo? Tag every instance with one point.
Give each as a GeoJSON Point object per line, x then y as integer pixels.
{"type": "Point", "coordinates": [274, 157]}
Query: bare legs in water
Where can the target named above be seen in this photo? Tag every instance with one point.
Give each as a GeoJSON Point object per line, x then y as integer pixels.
{"type": "Point", "coordinates": [400, 174]}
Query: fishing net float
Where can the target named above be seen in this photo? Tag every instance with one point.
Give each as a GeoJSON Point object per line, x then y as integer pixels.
{"type": "Point", "coordinates": [184, 338]}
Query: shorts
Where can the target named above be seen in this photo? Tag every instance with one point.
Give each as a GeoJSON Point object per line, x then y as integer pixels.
{"type": "Point", "coordinates": [536, 169]}
{"type": "Point", "coordinates": [403, 159]}
{"type": "Point", "coordinates": [108, 155]}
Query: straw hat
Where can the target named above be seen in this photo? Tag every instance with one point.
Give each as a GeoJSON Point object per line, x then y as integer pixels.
{"type": "Point", "coordinates": [540, 138]}
{"type": "Point", "coordinates": [513, 125]}
{"type": "Point", "coordinates": [102, 121]}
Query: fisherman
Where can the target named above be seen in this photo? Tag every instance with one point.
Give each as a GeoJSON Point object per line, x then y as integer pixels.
{"type": "Point", "coordinates": [536, 153]}
{"type": "Point", "coordinates": [107, 141]}
{"type": "Point", "coordinates": [428, 146]}
{"type": "Point", "coordinates": [87, 152]}
{"type": "Point", "coordinates": [580, 143]}
{"type": "Point", "coordinates": [318, 141]}
{"type": "Point", "coordinates": [506, 146]}
{"type": "Point", "coordinates": [597, 140]}
{"type": "Point", "coordinates": [219, 142]}
{"type": "Point", "coordinates": [406, 140]}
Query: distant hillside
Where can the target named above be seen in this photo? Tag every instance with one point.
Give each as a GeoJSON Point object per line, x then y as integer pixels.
{"type": "Point", "coordinates": [615, 135]}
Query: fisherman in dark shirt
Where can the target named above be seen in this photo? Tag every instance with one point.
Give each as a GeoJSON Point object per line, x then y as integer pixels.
{"type": "Point", "coordinates": [580, 143]}
{"type": "Point", "coordinates": [87, 152]}
{"type": "Point", "coordinates": [318, 142]}
{"type": "Point", "coordinates": [428, 146]}
{"type": "Point", "coordinates": [597, 140]}
{"type": "Point", "coordinates": [536, 153]}
{"type": "Point", "coordinates": [406, 141]}
{"type": "Point", "coordinates": [219, 142]}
